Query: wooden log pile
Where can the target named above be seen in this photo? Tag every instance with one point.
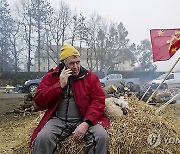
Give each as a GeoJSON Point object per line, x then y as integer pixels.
{"type": "Point", "coordinates": [123, 90]}
{"type": "Point", "coordinates": [161, 97]}
{"type": "Point", "coordinates": [28, 106]}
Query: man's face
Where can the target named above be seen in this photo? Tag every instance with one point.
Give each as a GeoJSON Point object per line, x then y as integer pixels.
{"type": "Point", "coordinates": [73, 63]}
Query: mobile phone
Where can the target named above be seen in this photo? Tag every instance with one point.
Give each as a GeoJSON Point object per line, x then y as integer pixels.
{"type": "Point", "coordinates": [66, 67]}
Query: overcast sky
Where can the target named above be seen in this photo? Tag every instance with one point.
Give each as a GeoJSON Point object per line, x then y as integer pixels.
{"type": "Point", "coordinates": [138, 17]}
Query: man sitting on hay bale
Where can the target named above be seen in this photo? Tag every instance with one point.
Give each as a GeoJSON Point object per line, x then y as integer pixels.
{"type": "Point", "coordinates": [74, 102]}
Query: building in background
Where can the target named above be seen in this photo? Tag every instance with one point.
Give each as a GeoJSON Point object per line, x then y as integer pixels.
{"type": "Point", "coordinates": [49, 58]}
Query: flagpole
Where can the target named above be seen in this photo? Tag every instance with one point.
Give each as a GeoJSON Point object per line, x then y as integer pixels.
{"type": "Point", "coordinates": [145, 93]}
{"type": "Point", "coordinates": [162, 81]}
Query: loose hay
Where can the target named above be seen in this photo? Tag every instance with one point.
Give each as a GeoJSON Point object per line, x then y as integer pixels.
{"type": "Point", "coordinates": [128, 134]}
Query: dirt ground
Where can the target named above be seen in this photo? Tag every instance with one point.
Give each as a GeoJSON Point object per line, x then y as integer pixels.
{"type": "Point", "coordinates": [16, 128]}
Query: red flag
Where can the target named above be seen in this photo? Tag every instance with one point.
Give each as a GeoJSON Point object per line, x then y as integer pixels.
{"type": "Point", "coordinates": [174, 47]}
{"type": "Point", "coordinates": [165, 42]}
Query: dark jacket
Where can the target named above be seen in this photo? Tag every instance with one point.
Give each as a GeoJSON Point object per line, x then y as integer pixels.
{"type": "Point", "coordinates": [88, 95]}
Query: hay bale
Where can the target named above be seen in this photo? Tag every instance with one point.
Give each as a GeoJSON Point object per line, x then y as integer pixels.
{"type": "Point", "coordinates": [130, 134]}
{"type": "Point", "coordinates": [133, 133]}
{"type": "Point", "coordinates": [69, 146]}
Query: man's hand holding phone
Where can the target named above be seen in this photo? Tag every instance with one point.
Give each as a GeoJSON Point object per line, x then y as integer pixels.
{"type": "Point", "coordinates": [64, 76]}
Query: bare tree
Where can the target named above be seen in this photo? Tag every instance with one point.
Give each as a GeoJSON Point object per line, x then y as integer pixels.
{"type": "Point", "coordinates": [93, 26]}
{"type": "Point", "coordinates": [15, 39]}
{"type": "Point", "coordinates": [41, 9]}
{"type": "Point", "coordinates": [24, 11]}
{"type": "Point", "coordinates": [145, 57]}
{"type": "Point", "coordinates": [6, 25]}
{"type": "Point", "coordinates": [108, 44]}
{"type": "Point", "coordinates": [79, 30]}
{"type": "Point", "coordinates": [117, 45]}
{"type": "Point", "coordinates": [58, 29]}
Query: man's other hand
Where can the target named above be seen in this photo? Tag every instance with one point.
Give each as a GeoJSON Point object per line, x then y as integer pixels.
{"type": "Point", "coordinates": [80, 131]}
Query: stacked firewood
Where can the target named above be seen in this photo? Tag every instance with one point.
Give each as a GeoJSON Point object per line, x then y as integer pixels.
{"type": "Point", "coordinates": [28, 105]}
{"type": "Point", "coordinates": [123, 90]}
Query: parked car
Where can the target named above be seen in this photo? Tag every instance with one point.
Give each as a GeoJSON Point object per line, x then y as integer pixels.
{"type": "Point", "coordinates": [111, 79]}
{"type": "Point", "coordinates": [31, 85]}
{"type": "Point", "coordinates": [118, 80]}
{"type": "Point", "coordinates": [173, 80]}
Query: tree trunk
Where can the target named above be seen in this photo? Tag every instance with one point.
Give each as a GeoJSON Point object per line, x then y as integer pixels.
{"type": "Point", "coordinates": [39, 39]}
{"type": "Point", "coordinates": [29, 47]}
